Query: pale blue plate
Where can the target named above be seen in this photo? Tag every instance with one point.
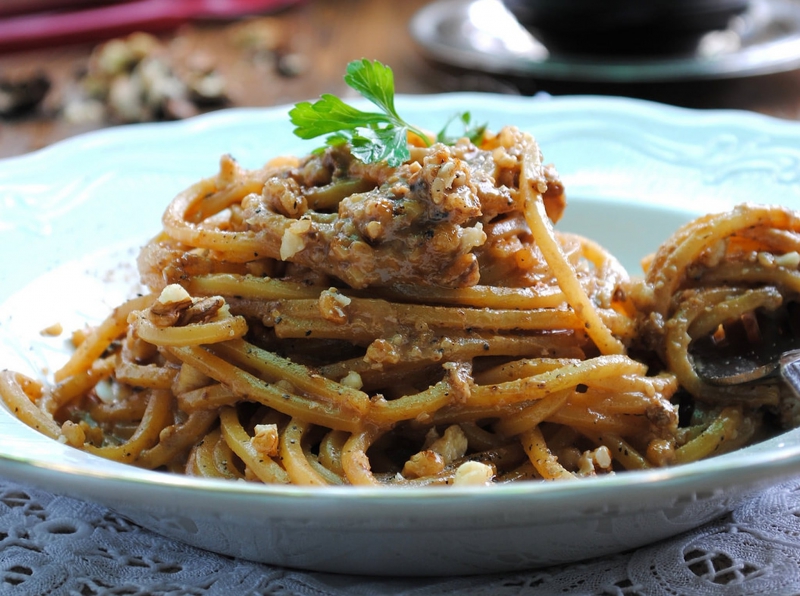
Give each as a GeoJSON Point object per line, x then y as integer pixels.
{"type": "Point", "coordinates": [73, 215]}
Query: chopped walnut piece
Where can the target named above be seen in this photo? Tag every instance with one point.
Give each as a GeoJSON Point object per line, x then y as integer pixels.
{"type": "Point", "coordinates": [352, 379]}
{"type": "Point", "coordinates": [591, 461]}
{"type": "Point", "coordinates": [202, 311]}
{"type": "Point", "coordinates": [439, 452]}
{"type": "Point", "coordinates": [138, 78]}
{"type": "Point", "coordinates": [293, 241]}
{"type": "Point", "coordinates": [175, 307]}
{"type": "Point", "coordinates": [266, 439]}
{"type": "Point", "coordinates": [167, 310]}
{"type": "Point", "coordinates": [473, 473]}
{"type": "Point", "coordinates": [332, 306]}
{"type": "Point", "coordinates": [423, 463]}
{"type": "Point", "coordinates": [452, 445]}
{"type": "Point", "coordinates": [382, 351]}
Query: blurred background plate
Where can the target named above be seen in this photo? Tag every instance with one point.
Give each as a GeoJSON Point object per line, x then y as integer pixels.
{"type": "Point", "coordinates": [484, 35]}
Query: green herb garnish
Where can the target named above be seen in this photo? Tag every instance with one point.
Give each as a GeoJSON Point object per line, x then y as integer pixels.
{"type": "Point", "coordinates": [373, 136]}
{"type": "Point", "coordinates": [474, 132]}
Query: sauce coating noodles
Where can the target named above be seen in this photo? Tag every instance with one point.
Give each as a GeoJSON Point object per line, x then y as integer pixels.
{"type": "Point", "coordinates": [321, 321]}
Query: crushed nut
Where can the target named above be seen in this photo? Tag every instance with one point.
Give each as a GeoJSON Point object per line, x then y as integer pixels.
{"type": "Point", "coordinates": [439, 451]}
{"type": "Point", "coordinates": [176, 308]}
{"type": "Point", "coordinates": [332, 306]}
{"type": "Point", "coordinates": [202, 311]}
{"type": "Point", "coordinates": [382, 351]}
{"type": "Point", "coordinates": [473, 473]}
{"type": "Point", "coordinates": [167, 310]}
{"type": "Point", "coordinates": [452, 445]}
{"type": "Point", "coordinates": [353, 380]}
{"type": "Point", "coordinates": [292, 241]}
{"type": "Point", "coordinates": [591, 461]}
{"type": "Point", "coordinates": [139, 79]}
{"type": "Point", "coordinates": [423, 463]}
{"type": "Point", "coordinates": [265, 440]}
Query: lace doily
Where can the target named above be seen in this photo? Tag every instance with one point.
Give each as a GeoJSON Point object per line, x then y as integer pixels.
{"type": "Point", "coordinates": [53, 545]}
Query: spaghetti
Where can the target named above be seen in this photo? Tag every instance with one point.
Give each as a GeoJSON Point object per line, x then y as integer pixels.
{"type": "Point", "coordinates": [321, 321]}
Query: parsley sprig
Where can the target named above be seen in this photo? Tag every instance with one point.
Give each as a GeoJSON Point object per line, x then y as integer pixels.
{"type": "Point", "coordinates": [373, 136]}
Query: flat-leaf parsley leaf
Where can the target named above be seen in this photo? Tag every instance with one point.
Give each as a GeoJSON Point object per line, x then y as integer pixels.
{"type": "Point", "coordinates": [373, 136]}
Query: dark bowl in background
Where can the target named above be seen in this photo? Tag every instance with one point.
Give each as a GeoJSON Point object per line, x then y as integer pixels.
{"type": "Point", "coordinates": [624, 26]}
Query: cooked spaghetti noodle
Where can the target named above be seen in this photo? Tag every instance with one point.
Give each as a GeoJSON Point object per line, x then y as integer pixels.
{"type": "Point", "coordinates": [320, 321]}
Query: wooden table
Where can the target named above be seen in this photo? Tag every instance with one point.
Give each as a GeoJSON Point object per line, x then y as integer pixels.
{"type": "Point", "coordinates": [325, 35]}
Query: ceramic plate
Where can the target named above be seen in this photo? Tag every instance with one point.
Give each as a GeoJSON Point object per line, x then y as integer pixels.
{"type": "Point", "coordinates": [484, 35]}
{"type": "Point", "coordinates": [72, 217]}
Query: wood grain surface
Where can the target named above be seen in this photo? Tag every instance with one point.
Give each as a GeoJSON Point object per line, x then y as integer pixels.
{"type": "Point", "coordinates": [318, 38]}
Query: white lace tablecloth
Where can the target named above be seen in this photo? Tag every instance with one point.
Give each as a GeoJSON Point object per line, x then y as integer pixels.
{"type": "Point", "coordinates": [57, 545]}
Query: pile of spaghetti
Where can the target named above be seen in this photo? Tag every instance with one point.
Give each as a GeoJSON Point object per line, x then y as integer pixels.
{"type": "Point", "coordinates": [323, 321]}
